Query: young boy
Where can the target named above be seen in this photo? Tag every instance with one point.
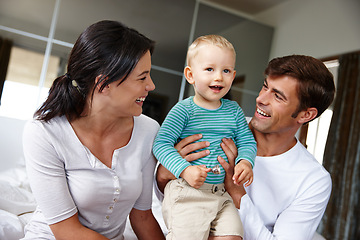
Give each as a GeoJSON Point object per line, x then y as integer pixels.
{"type": "Point", "coordinates": [196, 205]}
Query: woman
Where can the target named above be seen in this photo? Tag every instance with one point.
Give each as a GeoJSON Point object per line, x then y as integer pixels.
{"type": "Point", "coordinates": [88, 149]}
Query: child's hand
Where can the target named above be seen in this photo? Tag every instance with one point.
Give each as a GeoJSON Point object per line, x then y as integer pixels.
{"type": "Point", "coordinates": [195, 175]}
{"type": "Point", "coordinates": [243, 173]}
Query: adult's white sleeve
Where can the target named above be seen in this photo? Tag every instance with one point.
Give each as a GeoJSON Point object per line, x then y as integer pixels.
{"type": "Point", "coordinates": [145, 199]}
{"type": "Point", "coordinates": [47, 175]}
{"type": "Point", "coordinates": [298, 221]}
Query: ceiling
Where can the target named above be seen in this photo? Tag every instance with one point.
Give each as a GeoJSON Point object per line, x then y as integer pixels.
{"type": "Point", "coordinates": [249, 7]}
{"type": "Point", "coordinates": [167, 22]}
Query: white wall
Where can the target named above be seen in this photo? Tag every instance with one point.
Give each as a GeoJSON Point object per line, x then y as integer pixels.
{"type": "Point", "coordinates": [320, 28]}
{"type": "Point", "coordinates": [11, 150]}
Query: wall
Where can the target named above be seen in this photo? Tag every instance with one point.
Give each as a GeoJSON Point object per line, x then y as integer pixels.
{"type": "Point", "coordinates": [252, 42]}
{"type": "Point", "coordinates": [11, 142]}
{"type": "Point", "coordinates": [320, 28]}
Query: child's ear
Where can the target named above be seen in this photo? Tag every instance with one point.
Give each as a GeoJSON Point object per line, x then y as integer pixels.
{"type": "Point", "coordinates": [188, 75]}
{"type": "Point", "coordinates": [307, 115]}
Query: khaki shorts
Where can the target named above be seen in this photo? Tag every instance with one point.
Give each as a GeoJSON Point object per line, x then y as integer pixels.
{"type": "Point", "coordinates": [191, 213]}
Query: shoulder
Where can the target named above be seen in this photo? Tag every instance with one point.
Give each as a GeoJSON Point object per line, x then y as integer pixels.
{"type": "Point", "coordinates": [230, 105]}
{"type": "Point", "coordinates": [146, 122]}
{"type": "Point", "coordinates": [316, 173]}
{"type": "Point", "coordinates": [182, 109]}
{"type": "Point", "coordinates": [229, 102]}
{"type": "Point", "coordinates": [47, 135]}
{"type": "Point", "coordinates": [185, 104]}
{"type": "Point", "coordinates": [53, 126]}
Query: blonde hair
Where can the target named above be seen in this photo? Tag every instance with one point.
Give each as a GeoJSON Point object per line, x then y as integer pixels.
{"type": "Point", "coordinates": [215, 40]}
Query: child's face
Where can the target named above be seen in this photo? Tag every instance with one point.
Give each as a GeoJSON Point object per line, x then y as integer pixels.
{"type": "Point", "coordinates": [211, 73]}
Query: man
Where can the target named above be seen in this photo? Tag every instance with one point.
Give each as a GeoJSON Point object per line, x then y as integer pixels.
{"type": "Point", "coordinates": [291, 189]}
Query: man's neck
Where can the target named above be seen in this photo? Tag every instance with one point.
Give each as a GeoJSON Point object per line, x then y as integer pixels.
{"type": "Point", "coordinates": [272, 144]}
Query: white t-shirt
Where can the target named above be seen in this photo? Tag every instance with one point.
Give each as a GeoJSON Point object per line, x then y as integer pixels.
{"type": "Point", "coordinates": [287, 198]}
{"type": "Point", "coordinates": [66, 177]}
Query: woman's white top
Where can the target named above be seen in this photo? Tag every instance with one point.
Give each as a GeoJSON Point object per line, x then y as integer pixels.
{"type": "Point", "coordinates": [287, 198]}
{"type": "Point", "coordinates": [66, 177]}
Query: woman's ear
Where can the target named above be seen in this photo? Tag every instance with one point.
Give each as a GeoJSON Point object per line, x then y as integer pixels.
{"type": "Point", "coordinates": [307, 115]}
{"type": "Point", "coordinates": [188, 75]}
{"type": "Point", "coordinates": [101, 78]}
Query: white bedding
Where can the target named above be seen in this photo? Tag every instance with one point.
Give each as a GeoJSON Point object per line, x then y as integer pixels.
{"type": "Point", "coordinates": [17, 204]}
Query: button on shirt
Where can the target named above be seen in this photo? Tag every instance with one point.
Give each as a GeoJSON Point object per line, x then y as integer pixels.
{"type": "Point", "coordinates": [67, 178]}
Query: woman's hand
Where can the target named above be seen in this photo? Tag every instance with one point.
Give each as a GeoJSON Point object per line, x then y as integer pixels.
{"type": "Point", "coordinates": [236, 192]}
{"type": "Point", "coordinates": [185, 148]}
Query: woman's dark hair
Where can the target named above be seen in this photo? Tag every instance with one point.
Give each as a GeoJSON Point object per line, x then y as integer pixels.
{"type": "Point", "coordinates": [315, 82]}
{"type": "Point", "coordinates": [108, 49]}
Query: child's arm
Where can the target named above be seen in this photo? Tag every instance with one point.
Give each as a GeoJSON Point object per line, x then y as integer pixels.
{"type": "Point", "coordinates": [166, 153]}
{"type": "Point", "coordinates": [169, 133]}
{"type": "Point", "coordinates": [247, 148]}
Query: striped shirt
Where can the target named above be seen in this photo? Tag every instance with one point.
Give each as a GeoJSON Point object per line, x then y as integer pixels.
{"type": "Point", "coordinates": [186, 119]}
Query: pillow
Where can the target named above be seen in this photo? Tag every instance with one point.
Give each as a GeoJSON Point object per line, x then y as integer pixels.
{"type": "Point", "coordinates": [10, 226]}
{"type": "Point", "coordinates": [15, 199]}
{"type": "Point", "coordinates": [16, 176]}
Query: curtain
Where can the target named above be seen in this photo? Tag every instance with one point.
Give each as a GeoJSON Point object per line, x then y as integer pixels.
{"type": "Point", "coordinates": [341, 220]}
{"type": "Point", "coordinates": [5, 49]}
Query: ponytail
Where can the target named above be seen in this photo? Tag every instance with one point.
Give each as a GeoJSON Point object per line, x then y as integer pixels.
{"type": "Point", "coordinates": [65, 98]}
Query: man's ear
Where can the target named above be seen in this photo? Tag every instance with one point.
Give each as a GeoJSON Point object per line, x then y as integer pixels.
{"type": "Point", "coordinates": [307, 115]}
{"type": "Point", "coordinates": [188, 75]}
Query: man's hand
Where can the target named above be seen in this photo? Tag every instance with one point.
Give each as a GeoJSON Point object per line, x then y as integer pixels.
{"type": "Point", "coordinates": [243, 173]}
{"type": "Point", "coordinates": [163, 176]}
{"type": "Point", "coordinates": [187, 146]}
{"type": "Point", "coordinates": [195, 176]}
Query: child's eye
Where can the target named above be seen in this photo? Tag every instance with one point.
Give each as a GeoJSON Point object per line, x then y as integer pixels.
{"type": "Point", "coordinates": [226, 70]}
{"type": "Point", "coordinates": [209, 69]}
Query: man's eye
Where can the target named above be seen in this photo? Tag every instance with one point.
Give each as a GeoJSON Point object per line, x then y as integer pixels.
{"type": "Point", "coordinates": [265, 86]}
{"type": "Point", "coordinates": [278, 96]}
